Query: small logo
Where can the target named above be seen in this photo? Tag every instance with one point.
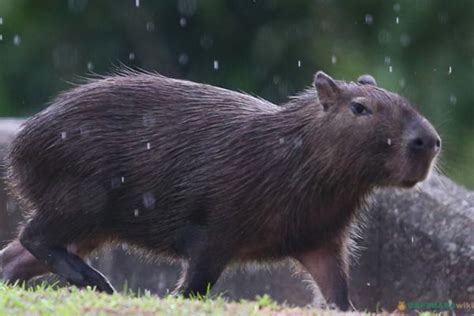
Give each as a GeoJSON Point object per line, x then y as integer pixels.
{"type": "Point", "coordinates": [402, 306]}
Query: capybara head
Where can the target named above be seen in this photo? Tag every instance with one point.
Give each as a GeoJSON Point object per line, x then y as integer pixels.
{"type": "Point", "coordinates": [379, 133]}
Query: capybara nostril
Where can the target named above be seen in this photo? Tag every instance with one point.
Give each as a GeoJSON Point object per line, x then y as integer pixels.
{"type": "Point", "coordinates": [425, 143]}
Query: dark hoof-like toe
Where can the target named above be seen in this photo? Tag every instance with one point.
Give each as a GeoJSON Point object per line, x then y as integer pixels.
{"type": "Point", "coordinates": [106, 288]}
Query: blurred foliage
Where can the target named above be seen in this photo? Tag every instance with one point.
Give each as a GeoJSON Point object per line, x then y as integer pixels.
{"type": "Point", "coordinates": [420, 48]}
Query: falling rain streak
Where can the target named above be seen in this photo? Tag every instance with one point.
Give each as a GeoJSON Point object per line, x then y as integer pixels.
{"type": "Point", "coordinates": [149, 200]}
{"type": "Point", "coordinates": [452, 99]}
{"type": "Point", "coordinates": [369, 19]}
{"type": "Point", "coordinates": [16, 40]}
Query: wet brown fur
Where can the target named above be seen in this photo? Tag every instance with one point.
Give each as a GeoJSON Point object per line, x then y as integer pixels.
{"type": "Point", "coordinates": [198, 173]}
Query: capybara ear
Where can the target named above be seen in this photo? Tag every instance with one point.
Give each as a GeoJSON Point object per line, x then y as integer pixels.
{"type": "Point", "coordinates": [326, 87]}
{"type": "Point", "coordinates": [367, 79]}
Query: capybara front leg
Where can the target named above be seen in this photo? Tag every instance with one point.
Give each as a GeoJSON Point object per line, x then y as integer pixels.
{"type": "Point", "coordinates": [328, 268]}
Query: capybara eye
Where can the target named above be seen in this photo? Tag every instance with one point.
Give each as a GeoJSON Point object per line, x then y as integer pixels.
{"type": "Point", "coordinates": [359, 109]}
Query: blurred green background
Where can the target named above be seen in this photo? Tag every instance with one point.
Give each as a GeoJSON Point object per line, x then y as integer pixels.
{"type": "Point", "coordinates": [419, 48]}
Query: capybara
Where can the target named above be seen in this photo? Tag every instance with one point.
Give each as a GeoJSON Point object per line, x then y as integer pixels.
{"type": "Point", "coordinates": [208, 176]}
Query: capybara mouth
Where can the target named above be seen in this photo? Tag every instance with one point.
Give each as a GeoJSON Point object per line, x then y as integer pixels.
{"type": "Point", "coordinates": [409, 183]}
{"type": "Point", "coordinates": [417, 174]}
{"type": "Point", "coordinates": [418, 170]}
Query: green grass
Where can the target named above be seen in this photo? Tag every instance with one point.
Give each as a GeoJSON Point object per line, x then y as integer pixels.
{"type": "Point", "coordinates": [44, 300]}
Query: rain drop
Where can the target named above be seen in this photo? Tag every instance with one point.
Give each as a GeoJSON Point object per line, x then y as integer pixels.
{"type": "Point", "coordinates": [276, 79]}
{"type": "Point", "coordinates": [136, 212]}
{"type": "Point", "coordinates": [369, 19]}
{"type": "Point", "coordinates": [387, 60]}
{"type": "Point", "coordinates": [148, 119]}
{"type": "Point", "coordinates": [299, 63]}
{"type": "Point", "coordinates": [1, 20]}
{"type": "Point", "coordinates": [10, 206]}
{"type": "Point", "coordinates": [1, 37]}
{"type": "Point", "coordinates": [183, 22]}
{"type": "Point", "coordinates": [390, 68]}
{"type": "Point", "coordinates": [148, 146]}
{"type": "Point", "coordinates": [405, 40]}
{"type": "Point", "coordinates": [333, 59]}
{"type": "Point", "coordinates": [17, 40]}
{"type": "Point", "coordinates": [206, 41]}
{"type": "Point", "coordinates": [368, 283]}
{"type": "Point", "coordinates": [216, 64]}
{"type": "Point", "coordinates": [402, 83]}
{"type": "Point", "coordinates": [149, 200]}
{"type": "Point", "coordinates": [389, 141]}
{"type": "Point", "coordinates": [412, 239]}
{"type": "Point", "coordinates": [452, 99]}
{"type": "Point", "coordinates": [443, 18]}
{"type": "Point", "coordinates": [150, 26]}
{"type": "Point", "coordinates": [77, 5]}
{"type": "Point", "coordinates": [397, 20]}
{"type": "Point", "coordinates": [183, 58]}
{"type": "Point", "coordinates": [90, 66]}
{"type": "Point", "coordinates": [63, 135]}
{"type": "Point", "coordinates": [131, 56]}
{"type": "Point", "coordinates": [122, 179]}
{"type": "Point", "coordinates": [298, 142]}
{"type": "Point", "coordinates": [384, 37]}
{"type": "Point", "coordinates": [450, 70]}
{"type": "Point", "coordinates": [281, 140]}
{"type": "Point", "coordinates": [137, 3]}
{"type": "Point", "coordinates": [115, 183]}
{"type": "Point", "coordinates": [187, 7]}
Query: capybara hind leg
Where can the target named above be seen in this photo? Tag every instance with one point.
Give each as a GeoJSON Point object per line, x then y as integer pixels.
{"type": "Point", "coordinates": [18, 264]}
{"type": "Point", "coordinates": [328, 268]}
{"type": "Point", "coordinates": [45, 246]}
